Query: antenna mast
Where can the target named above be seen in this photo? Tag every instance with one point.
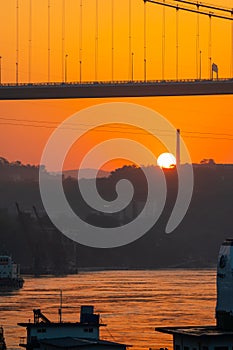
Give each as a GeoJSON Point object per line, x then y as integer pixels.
{"type": "Point", "coordinates": [178, 148]}
{"type": "Point", "coordinates": [60, 308]}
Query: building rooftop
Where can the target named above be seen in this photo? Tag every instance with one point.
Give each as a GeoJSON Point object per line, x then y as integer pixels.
{"type": "Point", "coordinates": [70, 342]}
{"type": "Point", "coordinates": [196, 331]}
{"type": "Point", "coordinates": [59, 324]}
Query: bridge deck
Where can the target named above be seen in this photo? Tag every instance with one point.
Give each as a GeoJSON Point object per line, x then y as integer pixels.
{"type": "Point", "coordinates": [115, 89]}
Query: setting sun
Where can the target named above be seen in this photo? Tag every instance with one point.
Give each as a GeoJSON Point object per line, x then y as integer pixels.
{"type": "Point", "coordinates": [166, 160]}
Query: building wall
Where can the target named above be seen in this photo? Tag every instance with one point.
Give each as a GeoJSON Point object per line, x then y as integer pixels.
{"type": "Point", "coordinates": [91, 347]}
{"type": "Point", "coordinates": [43, 332]}
{"type": "Point", "coordinates": [203, 343]}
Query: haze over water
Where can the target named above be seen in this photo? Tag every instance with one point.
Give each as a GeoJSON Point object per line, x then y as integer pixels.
{"type": "Point", "coordinates": [131, 303]}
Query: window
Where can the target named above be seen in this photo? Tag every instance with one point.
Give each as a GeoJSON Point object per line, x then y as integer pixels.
{"type": "Point", "coordinates": [41, 330]}
{"type": "Point", "coordinates": [177, 347]}
{"type": "Point", "coordinates": [33, 339]}
{"type": "Point", "coordinates": [90, 330]}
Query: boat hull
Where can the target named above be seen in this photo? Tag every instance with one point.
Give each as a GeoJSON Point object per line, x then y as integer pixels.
{"type": "Point", "coordinates": [11, 283]}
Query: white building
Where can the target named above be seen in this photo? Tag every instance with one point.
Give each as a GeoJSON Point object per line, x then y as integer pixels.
{"type": "Point", "coordinates": [219, 336]}
{"type": "Point", "coordinates": [199, 338]}
{"type": "Point", "coordinates": [48, 335]}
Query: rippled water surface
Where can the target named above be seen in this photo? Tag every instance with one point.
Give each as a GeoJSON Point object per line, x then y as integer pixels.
{"type": "Point", "coordinates": [131, 303]}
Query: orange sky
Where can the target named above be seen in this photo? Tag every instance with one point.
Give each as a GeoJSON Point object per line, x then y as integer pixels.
{"type": "Point", "coordinates": [201, 114]}
{"type": "Point", "coordinates": [211, 114]}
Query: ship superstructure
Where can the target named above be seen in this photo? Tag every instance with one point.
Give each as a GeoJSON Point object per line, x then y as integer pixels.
{"type": "Point", "coordinates": [219, 336]}
{"type": "Point", "coordinates": [9, 273]}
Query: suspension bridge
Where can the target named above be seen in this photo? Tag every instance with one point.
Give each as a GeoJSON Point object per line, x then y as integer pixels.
{"type": "Point", "coordinates": [99, 48]}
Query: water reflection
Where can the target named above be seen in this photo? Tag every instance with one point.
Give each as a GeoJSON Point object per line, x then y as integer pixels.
{"type": "Point", "coordinates": [131, 303]}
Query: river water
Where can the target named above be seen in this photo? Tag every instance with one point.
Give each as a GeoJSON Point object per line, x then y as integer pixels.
{"type": "Point", "coordinates": [131, 303]}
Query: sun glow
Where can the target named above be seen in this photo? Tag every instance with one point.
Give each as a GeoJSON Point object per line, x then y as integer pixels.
{"type": "Point", "coordinates": [166, 160]}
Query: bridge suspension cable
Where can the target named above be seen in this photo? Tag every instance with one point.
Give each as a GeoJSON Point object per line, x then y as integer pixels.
{"type": "Point", "coordinates": [189, 9]}
{"type": "Point", "coordinates": [96, 38]}
{"type": "Point", "coordinates": [49, 40]}
{"type": "Point", "coordinates": [179, 6]}
{"type": "Point", "coordinates": [17, 43]}
{"type": "Point", "coordinates": [112, 40]}
{"type": "Point", "coordinates": [163, 41]}
{"type": "Point", "coordinates": [63, 39]}
{"type": "Point", "coordinates": [145, 39]}
{"type": "Point", "coordinates": [177, 43]}
{"type": "Point", "coordinates": [232, 46]}
{"type": "Point", "coordinates": [130, 41]}
{"type": "Point", "coordinates": [30, 42]}
{"type": "Point", "coordinates": [210, 46]}
{"type": "Point", "coordinates": [80, 39]}
{"type": "Point", "coordinates": [205, 5]}
{"type": "Point", "coordinates": [211, 14]}
{"type": "Point", "coordinates": [197, 44]}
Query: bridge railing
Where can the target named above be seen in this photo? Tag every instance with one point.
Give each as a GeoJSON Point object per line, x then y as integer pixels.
{"type": "Point", "coordinates": [119, 82]}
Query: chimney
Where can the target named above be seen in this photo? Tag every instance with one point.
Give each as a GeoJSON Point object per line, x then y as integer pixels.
{"type": "Point", "coordinates": [178, 147]}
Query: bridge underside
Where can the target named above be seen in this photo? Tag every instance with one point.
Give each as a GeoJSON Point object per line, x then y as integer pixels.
{"type": "Point", "coordinates": [120, 89]}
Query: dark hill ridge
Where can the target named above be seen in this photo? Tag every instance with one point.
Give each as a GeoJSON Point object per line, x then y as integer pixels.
{"type": "Point", "coordinates": [40, 248]}
{"type": "Point", "coordinates": [85, 173]}
{"type": "Point", "coordinates": [16, 171]}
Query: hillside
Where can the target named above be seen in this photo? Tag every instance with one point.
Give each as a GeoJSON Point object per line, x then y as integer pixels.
{"type": "Point", "coordinates": [40, 248]}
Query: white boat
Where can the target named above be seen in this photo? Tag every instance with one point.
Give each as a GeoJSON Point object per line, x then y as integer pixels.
{"type": "Point", "coordinates": [9, 274]}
